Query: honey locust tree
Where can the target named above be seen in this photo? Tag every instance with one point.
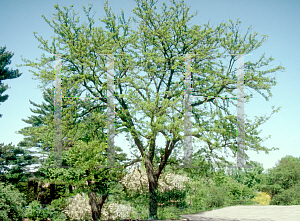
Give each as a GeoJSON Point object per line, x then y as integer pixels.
{"type": "Point", "coordinates": [157, 49]}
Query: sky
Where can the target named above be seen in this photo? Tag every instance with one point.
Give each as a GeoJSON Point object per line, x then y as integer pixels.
{"type": "Point", "coordinates": [277, 19]}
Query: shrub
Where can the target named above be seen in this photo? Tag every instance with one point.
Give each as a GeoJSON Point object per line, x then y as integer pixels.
{"type": "Point", "coordinates": [236, 193]}
{"type": "Point", "coordinates": [12, 203]}
{"type": "Point", "coordinates": [59, 204]}
{"type": "Point", "coordinates": [287, 197]}
{"type": "Point", "coordinates": [36, 212]}
{"type": "Point", "coordinates": [262, 198]}
{"type": "Point", "coordinates": [217, 197]}
{"type": "Point", "coordinates": [114, 211]}
{"type": "Point", "coordinates": [167, 197]}
{"type": "Point", "coordinates": [137, 181]}
{"type": "Point", "coordinates": [79, 208]}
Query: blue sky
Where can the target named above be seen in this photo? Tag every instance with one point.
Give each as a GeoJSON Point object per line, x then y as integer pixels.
{"type": "Point", "coordinates": [277, 19]}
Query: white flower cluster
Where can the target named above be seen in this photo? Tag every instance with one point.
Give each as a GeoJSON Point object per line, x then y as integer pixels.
{"type": "Point", "coordinates": [79, 208]}
{"type": "Point", "coordinates": [116, 211]}
{"type": "Point", "coordinates": [137, 181]}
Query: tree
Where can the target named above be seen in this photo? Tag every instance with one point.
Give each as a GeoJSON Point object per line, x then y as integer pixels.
{"type": "Point", "coordinates": [249, 176]}
{"type": "Point", "coordinates": [38, 133]}
{"type": "Point", "coordinates": [5, 73]}
{"type": "Point", "coordinates": [14, 161]}
{"type": "Point", "coordinates": [155, 49]}
{"type": "Point", "coordinates": [284, 176]}
{"type": "Point", "coordinates": [76, 128]}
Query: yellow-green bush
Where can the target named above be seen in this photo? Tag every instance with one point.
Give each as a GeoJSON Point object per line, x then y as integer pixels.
{"type": "Point", "coordinates": [262, 198]}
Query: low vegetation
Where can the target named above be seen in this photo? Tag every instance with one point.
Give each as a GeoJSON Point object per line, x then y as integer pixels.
{"type": "Point", "coordinates": [200, 194]}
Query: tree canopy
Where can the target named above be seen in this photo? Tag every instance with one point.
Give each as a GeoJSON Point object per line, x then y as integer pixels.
{"type": "Point", "coordinates": [158, 48]}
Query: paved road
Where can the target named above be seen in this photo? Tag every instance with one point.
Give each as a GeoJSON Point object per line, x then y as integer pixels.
{"type": "Point", "coordinates": [249, 213]}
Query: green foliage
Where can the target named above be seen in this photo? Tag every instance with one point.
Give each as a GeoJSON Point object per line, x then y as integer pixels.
{"type": "Point", "coordinates": [289, 196]}
{"type": "Point", "coordinates": [250, 177]}
{"type": "Point", "coordinates": [5, 72]}
{"type": "Point", "coordinates": [59, 204]}
{"type": "Point", "coordinates": [220, 178]}
{"type": "Point", "coordinates": [286, 173]}
{"type": "Point", "coordinates": [169, 197]}
{"type": "Point", "coordinates": [159, 54]}
{"type": "Point", "coordinates": [229, 190]}
{"type": "Point", "coordinates": [35, 211]}
{"type": "Point", "coordinates": [13, 163]}
{"type": "Point", "coordinates": [282, 177]}
{"type": "Point", "coordinates": [12, 203]}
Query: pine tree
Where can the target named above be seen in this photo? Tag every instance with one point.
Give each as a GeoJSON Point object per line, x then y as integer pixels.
{"type": "Point", "coordinates": [5, 73]}
{"type": "Point", "coordinates": [14, 165]}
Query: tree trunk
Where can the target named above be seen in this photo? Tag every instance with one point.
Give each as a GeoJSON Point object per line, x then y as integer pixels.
{"type": "Point", "coordinates": [153, 183]}
{"type": "Point", "coordinates": [52, 191]}
{"type": "Point", "coordinates": [96, 206]}
{"type": "Point", "coordinates": [30, 184]}
{"type": "Point", "coordinates": [36, 184]}
{"type": "Point", "coordinates": [153, 200]}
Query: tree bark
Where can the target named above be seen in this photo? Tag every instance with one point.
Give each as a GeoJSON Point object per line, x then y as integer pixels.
{"type": "Point", "coordinates": [52, 191]}
{"type": "Point", "coordinates": [96, 206]}
{"type": "Point", "coordinates": [154, 176]}
{"type": "Point", "coordinates": [153, 200]}
{"type": "Point", "coordinates": [36, 184]}
{"type": "Point", "coordinates": [30, 184]}
{"type": "Point", "coordinates": [153, 183]}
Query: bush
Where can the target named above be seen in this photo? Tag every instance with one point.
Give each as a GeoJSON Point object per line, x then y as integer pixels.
{"type": "Point", "coordinates": [36, 212]}
{"type": "Point", "coordinates": [59, 204]}
{"type": "Point", "coordinates": [216, 197]}
{"type": "Point", "coordinates": [286, 173]}
{"type": "Point", "coordinates": [262, 198]}
{"type": "Point", "coordinates": [168, 197]}
{"type": "Point", "coordinates": [79, 208]}
{"type": "Point", "coordinates": [117, 211]}
{"type": "Point", "coordinates": [287, 197]}
{"type": "Point", "coordinates": [236, 193]}
{"type": "Point", "coordinates": [12, 203]}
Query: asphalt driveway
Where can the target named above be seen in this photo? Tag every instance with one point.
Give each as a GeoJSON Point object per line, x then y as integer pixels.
{"type": "Point", "coordinates": [249, 213]}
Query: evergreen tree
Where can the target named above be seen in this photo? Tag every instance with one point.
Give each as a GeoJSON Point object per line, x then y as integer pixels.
{"type": "Point", "coordinates": [5, 72]}
{"type": "Point", "coordinates": [14, 165]}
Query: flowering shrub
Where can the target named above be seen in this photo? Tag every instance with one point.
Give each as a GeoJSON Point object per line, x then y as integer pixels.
{"type": "Point", "coordinates": [79, 208]}
{"type": "Point", "coordinates": [138, 181]}
{"type": "Point", "coordinates": [262, 198]}
{"type": "Point", "coordinates": [116, 211]}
